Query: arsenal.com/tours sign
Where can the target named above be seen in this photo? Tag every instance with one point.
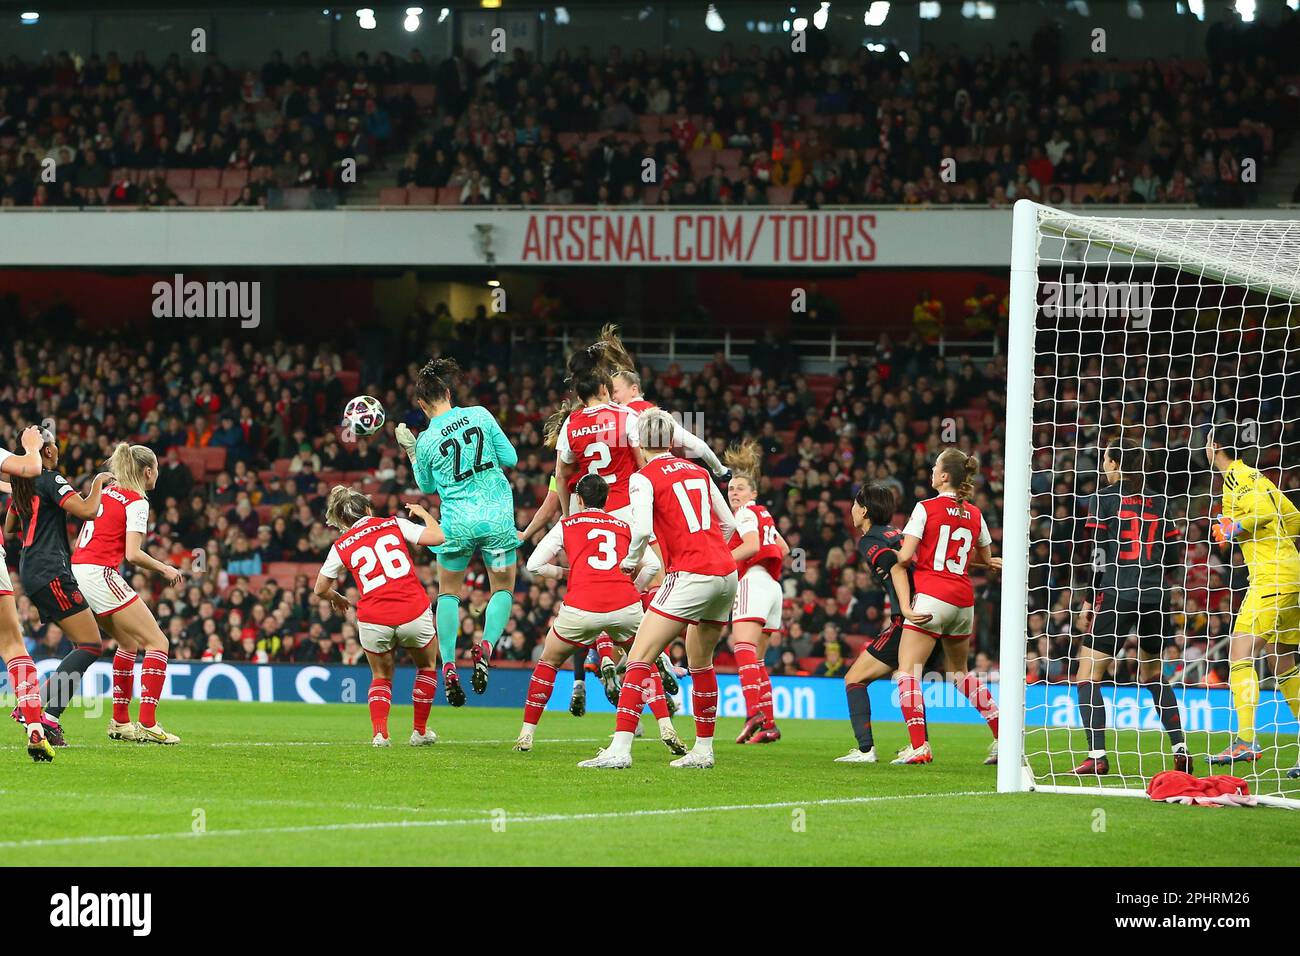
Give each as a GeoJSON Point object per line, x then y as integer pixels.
{"type": "Point", "coordinates": [733, 237]}
{"type": "Point", "coordinates": [769, 237]}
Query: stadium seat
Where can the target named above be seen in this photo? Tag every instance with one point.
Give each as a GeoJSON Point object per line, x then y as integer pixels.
{"type": "Point", "coordinates": [207, 178]}
{"type": "Point", "coordinates": [235, 179]}
{"type": "Point", "coordinates": [701, 161]}
{"type": "Point", "coordinates": [780, 195]}
{"type": "Point", "coordinates": [421, 196]}
{"type": "Point", "coordinates": [350, 379]}
{"type": "Point", "coordinates": [392, 196]}
{"type": "Point", "coordinates": [192, 458]}
{"type": "Point", "coordinates": [179, 179]}
{"type": "Point", "coordinates": [214, 196]}
{"type": "Point", "coordinates": [214, 459]}
{"type": "Point", "coordinates": [449, 196]}
{"type": "Point", "coordinates": [186, 197]}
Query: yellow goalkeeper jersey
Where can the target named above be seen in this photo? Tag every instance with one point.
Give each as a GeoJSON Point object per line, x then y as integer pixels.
{"type": "Point", "coordinates": [1269, 524]}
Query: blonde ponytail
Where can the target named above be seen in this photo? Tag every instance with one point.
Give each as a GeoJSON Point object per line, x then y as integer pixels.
{"type": "Point", "coordinates": [744, 460]}
{"type": "Point", "coordinates": [345, 507]}
{"type": "Point", "coordinates": [961, 469]}
{"type": "Point", "coordinates": [128, 464]}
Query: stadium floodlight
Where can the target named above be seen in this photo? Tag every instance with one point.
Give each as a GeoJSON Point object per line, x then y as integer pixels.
{"type": "Point", "coordinates": [800, 24]}
{"type": "Point", "coordinates": [902, 55]}
{"type": "Point", "coordinates": [366, 18]}
{"type": "Point", "coordinates": [443, 14]}
{"type": "Point", "coordinates": [876, 13]}
{"type": "Point", "coordinates": [983, 9]}
{"type": "Point", "coordinates": [412, 21]}
{"type": "Point", "coordinates": [1246, 10]}
{"type": "Point", "coordinates": [29, 18]}
{"type": "Point", "coordinates": [821, 16]}
{"type": "Point", "coordinates": [930, 9]}
{"type": "Point", "coordinates": [1135, 10]}
{"type": "Point", "coordinates": [1152, 330]}
{"type": "Point", "coordinates": [713, 19]}
{"type": "Point", "coordinates": [1197, 8]}
{"type": "Point", "coordinates": [561, 16]}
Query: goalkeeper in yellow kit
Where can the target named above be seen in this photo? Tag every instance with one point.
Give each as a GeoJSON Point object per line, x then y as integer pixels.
{"type": "Point", "coordinates": [1259, 518]}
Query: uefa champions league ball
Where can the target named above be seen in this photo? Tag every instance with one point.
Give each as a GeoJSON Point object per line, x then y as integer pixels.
{"type": "Point", "coordinates": [364, 415]}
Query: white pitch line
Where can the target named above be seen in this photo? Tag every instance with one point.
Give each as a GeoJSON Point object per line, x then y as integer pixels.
{"type": "Point", "coordinates": [536, 818]}
{"type": "Point", "coordinates": [238, 801]}
{"type": "Point", "coordinates": [442, 742]}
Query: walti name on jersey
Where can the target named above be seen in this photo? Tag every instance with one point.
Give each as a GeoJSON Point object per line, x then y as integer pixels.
{"type": "Point", "coordinates": [957, 511]}
{"type": "Point", "coordinates": [458, 423]}
{"type": "Point", "coordinates": [358, 535]}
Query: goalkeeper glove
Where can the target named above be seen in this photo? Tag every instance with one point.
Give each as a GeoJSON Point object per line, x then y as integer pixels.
{"type": "Point", "coordinates": [405, 438]}
{"type": "Point", "coordinates": [1224, 529]}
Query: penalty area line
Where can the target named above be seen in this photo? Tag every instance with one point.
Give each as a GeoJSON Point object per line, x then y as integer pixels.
{"type": "Point", "coordinates": [508, 819]}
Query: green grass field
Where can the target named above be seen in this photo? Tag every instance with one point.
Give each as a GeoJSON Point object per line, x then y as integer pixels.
{"type": "Point", "coordinates": [297, 784]}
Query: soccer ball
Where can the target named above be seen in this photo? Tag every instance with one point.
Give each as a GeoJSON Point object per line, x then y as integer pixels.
{"type": "Point", "coordinates": [364, 415]}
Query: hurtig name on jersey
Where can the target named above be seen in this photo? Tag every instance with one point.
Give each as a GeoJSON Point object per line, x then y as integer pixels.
{"type": "Point", "coordinates": [458, 423]}
{"type": "Point", "coordinates": [386, 523]}
{"type": "Point", "coordinates": [678, 466]}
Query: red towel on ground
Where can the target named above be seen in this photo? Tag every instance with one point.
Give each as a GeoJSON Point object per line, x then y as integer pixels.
{"type": "Point", "coordinates": [1174, 786]}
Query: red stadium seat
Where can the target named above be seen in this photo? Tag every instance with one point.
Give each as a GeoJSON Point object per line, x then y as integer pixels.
{"type": "Point", "coordinates": [392, 196]}
{"type": "Point", "coordinates": [424, 95]}
{"type": "Point", "coordinates": [187, 197]}
{"type": "Point", "coordinates": [192, 458]}
{"type": "Point", "coordinates": [780, 195]}
{"type": "Point", "coordinates": [449, 196]}
{"type": "Point", "coordinates": [214, 459]}
{"type": "Point", "coordinates": [701, 161]}
{"type": "Point", "coordinates": [207, 178]}
{"type": "Point", "coordinates": [214, 196]}
{"type": "Point", "coordinates": [179, 179]}
{"type": "Point", "coordinates": [421, 197]}
{"type": "Point", "coordinates": [235, 179]}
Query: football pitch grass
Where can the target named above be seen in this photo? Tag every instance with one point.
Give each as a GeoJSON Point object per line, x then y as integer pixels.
{"type": "Point", "coordinates": [299, 784]}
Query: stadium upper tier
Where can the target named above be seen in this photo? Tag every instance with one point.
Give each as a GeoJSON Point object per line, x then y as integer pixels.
{"type": "Point", "coordinates": [850, 128]}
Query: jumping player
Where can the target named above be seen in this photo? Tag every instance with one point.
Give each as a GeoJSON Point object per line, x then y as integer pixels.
{"type": "Point", "coordinates": [943, 534]}
{"type": "Point", "coordinates": [115, 534]}
{"type": "Point", "coordinates": [678, 500]}
{"type": "Point", "coordinates": [22, 669]}
{"type": "Point", "coordinates": [38, 511]}
{"type": "Point", "coordinates": [460, 457]}
{"type": "Point", "coordinates": [600, 599]}
{"type": "Point", "coordinates": [1264, 522]}
{"type": "Point", "coordinates": [759, 552]}
{"type": "Point", "coordinates": [393, 607]}
{"type": "Point", "coordinates": [1134, 544]}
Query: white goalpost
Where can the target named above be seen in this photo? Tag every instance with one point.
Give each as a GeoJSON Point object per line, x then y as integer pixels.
{"type": "Point", "coordinates": [1152, 330]}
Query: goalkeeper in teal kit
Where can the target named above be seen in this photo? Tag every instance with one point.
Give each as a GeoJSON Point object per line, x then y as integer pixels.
{"type": "Point", "coordinates": [460, 457]}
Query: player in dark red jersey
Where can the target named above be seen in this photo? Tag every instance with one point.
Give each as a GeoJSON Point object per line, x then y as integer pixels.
{"type": "Point", "coordinates": [679, 501]}
{"type": "Point", "coordinates": [945, 535]}
{"type": "Point", "coordinates": [393, 607]}
{"type": "Point", "coordinates": [872, 512]}
{"type": "Point", "coordinates": [38, 512]}
{"type": "Point", "coordinates": [23, 680]}
{"type": "Point", "coordinates": [600, 600]}
{"type": "Point", "coordinates": [1134, 544]}
{"type": "Point", "coordinates": [760, 553]}
{"type": "Point", "coordinates": [115, 535]}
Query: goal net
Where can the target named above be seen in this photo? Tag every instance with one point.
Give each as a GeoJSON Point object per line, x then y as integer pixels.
{"type": "Point", "coordinates": [1151, 330]}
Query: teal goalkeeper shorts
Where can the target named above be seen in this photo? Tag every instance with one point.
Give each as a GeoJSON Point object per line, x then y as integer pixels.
{"type": "Point", "coordinates": [496, 540]}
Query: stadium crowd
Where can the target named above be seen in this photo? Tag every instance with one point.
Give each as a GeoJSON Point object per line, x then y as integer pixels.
{"type": "Point", "coordinates": [828, 127]}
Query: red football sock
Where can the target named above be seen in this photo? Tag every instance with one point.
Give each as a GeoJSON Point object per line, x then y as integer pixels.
{"type": "Point", "coordinates": [747, 668]}
{"type": "Point", "coordinates": [26, 687]}
{"type": "Point", "coordinates": [765, 696]}
{"type": "Point", "coordinates": [426, 685]}
{"type": "Point", "coordinates": [704, 699]}
{"type": "Point", "coordinates": [381, 701]}
{"type": "Point", "coordinates": [638, 688]}
{"type": "Point", "coordinates": [605, 648]}
{"type": "Point", "coordinates": [979, 695]}
{"type": "Point", "coordinates": [657, 701]}
{"type": "Point", "coordinates": [153, 672]}
{"type": "Point", "coordinates": [123, 684]}
{"type": "Point", "coordinates": [539, 692]}
{"type": "Point", "coordinates": [912, 703]}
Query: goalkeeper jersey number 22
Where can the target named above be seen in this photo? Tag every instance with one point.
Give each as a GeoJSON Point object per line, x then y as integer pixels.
{"type": "Point", "coordinates": [1269, 524]}
{"type": "Point", "coordinates": [460, 457]}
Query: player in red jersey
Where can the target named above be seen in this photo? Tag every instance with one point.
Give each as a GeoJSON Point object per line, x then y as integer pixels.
{"type": "Point", "coordinates": [115, 535]}
{"type": "Point", "coordinates": [944, 536]}
{"type": "Point", "coordinates": [760, 553]}
{"type": "Point", "coordinates": [627, 391]}
{"type": "Point", "coordinates": [23, 680]}
{"type": "Point", "coordinates": [690, 517]}
{"type": "Point", "coordinates": [393, 607]}
{"type": "Point", "coordinates": [600, 600]}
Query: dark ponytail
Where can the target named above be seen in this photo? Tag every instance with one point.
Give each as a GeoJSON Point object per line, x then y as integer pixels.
{"type": "Point", "coordinates": [435, 381]}
{"type": "Point", "coordinates": [587, 374]}
{"type": "Point", "coordinates": [24, 489]}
